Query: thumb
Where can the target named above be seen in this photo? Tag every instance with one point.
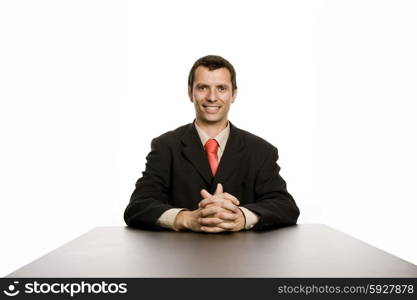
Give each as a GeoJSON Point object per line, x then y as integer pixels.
{"type": "Point", "coordinates": [204, 194]}
{"type": "Point", "coordinates": [219, 189]}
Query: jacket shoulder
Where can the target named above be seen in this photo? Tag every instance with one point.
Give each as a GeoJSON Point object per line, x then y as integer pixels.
{"type": "Point", "coordinates": [253, 141]}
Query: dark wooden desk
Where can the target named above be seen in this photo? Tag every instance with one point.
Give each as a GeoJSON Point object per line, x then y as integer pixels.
{"type": "Point", "coordinates": [297, 251]}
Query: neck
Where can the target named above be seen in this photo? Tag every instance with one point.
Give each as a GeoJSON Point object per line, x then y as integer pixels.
{"type": "Point", "coordinates": [212, 129]}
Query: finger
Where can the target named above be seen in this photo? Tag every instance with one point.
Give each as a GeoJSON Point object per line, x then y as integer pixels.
{"type": "Point", "coordinates": [227, 225]}
{"type": "Point", "coordinates": [212, 229]}
{"type": "Point", "coordinates": [204, 194]}
{"type": "Point", "coordinates": [226, 216]}
{"type": "Point", "coordinates": [220, 202]}
{"type": "Point", "coordinates": [230, 206]}
{"type": "Point", "coordinates": [213, 201]}
{"type": "Point", "coordinates": [207, 211]}
{"type": "Point", "coordinates": [207, 201]}
{"type": "Point", "coordinates": [219, 189]}
{"type": "Point", "coordinates": [220, 213]}
{"type": "Point", "coordinates": [209, 221]}
{"type": "Point", "coordinates": [231, 198]}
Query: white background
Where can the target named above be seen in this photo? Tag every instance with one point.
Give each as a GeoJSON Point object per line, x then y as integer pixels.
{"type": "Point", "coordinates": [86, 85]}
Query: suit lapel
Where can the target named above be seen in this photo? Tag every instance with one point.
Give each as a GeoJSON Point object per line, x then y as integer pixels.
{"type": "Point", "coordinates": [231, 157]}
{"type": "Point", "coordinates": [194, 152]}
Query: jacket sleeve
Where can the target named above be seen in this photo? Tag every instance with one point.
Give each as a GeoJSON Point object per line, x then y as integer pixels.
{"type": "Point", "coordinates": [150, 197]}
{"type": "Point", "coordinates": [275, 206]}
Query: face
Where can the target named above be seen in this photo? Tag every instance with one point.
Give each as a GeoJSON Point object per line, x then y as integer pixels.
{"type": "Point", "coordinates": [212, 94]}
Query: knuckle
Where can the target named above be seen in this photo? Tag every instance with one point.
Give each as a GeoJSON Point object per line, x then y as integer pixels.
{"type": "Point", "coordinates": [205, 221]}
{"type": "Point", "coordinates": [226, 216]}
{"type": "Point", "coordinates": [211, 221]}
{"type": "Point", "coordinates": [229, 206]}
{"type": "Point", "coordinates": [220, 215]}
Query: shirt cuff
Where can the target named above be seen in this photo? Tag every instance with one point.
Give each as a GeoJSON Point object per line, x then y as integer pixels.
{"type": "Point", "coordinates": [167, 219]}
{"type": "Point", "coordinates": [251, 218]}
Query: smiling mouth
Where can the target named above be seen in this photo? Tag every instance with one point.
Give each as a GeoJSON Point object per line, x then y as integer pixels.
{"type": "Point", "coordinates": [211, 108]}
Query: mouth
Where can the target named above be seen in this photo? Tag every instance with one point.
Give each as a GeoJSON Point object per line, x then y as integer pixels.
{"type": "Point", "coordinates": [211, 109]}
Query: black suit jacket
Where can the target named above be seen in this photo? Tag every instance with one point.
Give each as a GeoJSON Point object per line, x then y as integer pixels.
{"type": "Point", "coordinates": [177, 169]}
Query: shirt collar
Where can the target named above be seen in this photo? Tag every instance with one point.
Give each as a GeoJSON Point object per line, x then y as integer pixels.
{"type": "Point", "coordinates": [221, 138]}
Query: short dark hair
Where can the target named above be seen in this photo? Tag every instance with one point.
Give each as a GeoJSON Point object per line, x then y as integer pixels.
{"type": "Point", "coordinates": [213, 62]}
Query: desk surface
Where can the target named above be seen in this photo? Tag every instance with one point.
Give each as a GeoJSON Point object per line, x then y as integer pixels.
{"type": "Point", "coordinates": [296, 251]}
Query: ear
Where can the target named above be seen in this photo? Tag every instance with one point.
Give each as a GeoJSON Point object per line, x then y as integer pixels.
{"type": "Point", "coordinates": [234, 95]}
{"type": "Point", "coordinates": [190, 94]}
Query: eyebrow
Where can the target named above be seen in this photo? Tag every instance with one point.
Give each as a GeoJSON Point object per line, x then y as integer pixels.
{"type": "Point", "coordinates": [206, 85]}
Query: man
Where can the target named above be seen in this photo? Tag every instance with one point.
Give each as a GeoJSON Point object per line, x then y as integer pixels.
{"type": "Point", "coordinates": [210, 176]}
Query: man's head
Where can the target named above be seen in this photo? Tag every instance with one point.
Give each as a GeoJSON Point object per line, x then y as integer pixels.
{"type": "Point", "coordinates": [212, 88]}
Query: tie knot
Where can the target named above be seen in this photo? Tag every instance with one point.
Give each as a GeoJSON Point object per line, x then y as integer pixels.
{"type": "Point", "coordinates": [211, 146]}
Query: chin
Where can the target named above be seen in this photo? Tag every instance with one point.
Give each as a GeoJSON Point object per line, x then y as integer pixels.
{"type": "Point", "coordinates": [212, 119]}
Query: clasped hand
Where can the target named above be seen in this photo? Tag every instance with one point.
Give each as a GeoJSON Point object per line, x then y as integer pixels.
{"type": "Point", "coordinates": [216, 213]}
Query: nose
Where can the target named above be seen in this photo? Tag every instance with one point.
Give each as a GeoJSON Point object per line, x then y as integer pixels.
{"type": "Point", "coordinates": [212, 97]}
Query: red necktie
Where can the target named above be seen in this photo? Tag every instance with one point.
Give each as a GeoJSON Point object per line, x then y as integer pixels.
{"type": "Point", "coordinates": [211, 150]}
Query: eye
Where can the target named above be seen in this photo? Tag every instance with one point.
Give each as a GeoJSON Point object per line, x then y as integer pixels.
{"type": "Point", "coordinates": [221, 88]}
{"type": "Point", "coordinates": [201, 88]}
